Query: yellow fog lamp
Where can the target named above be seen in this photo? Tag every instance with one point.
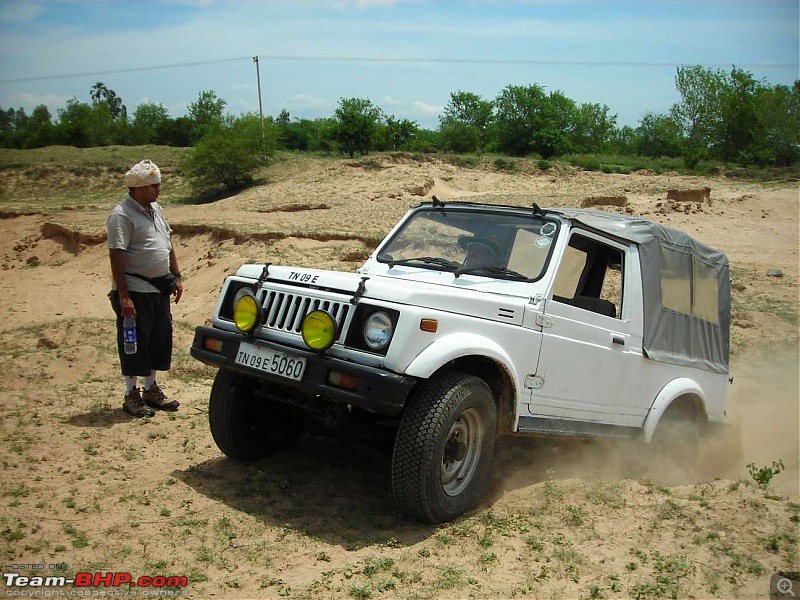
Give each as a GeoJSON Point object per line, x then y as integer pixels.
{"type": "Point", "coordinates": [319, 330]}
{"type": "Point", "coordinates": [247, 311]}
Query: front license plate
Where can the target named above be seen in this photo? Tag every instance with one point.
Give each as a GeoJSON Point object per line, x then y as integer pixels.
{"type": "Point", "coordinates": [269, 361]}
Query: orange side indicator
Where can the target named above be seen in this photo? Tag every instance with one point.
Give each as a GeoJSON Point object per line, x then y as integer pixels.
{"type": "Point", "coordinates": [429, 325]}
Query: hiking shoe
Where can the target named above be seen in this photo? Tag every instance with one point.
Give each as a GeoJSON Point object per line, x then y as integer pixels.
{"type": "Point", "coordinates": [134, 405]}
{"type": "Point", "coordinates": [155, 397]}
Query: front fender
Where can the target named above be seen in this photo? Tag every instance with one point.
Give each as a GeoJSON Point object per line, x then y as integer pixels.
{"type": "Point", "coordinates": [674, 389]}
{"type": "Point", "coordinates": [457, 345]}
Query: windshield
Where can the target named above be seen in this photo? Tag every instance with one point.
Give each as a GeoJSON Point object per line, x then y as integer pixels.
{"type": "Point", "coordinates": [493, 244]}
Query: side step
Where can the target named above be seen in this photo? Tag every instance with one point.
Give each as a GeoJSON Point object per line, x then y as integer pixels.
{"type": "Point", "coordinates": [569, 428]}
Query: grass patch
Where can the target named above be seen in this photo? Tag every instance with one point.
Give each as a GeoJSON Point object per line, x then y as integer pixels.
{"type": "Point", "coordinates": [94, 176]}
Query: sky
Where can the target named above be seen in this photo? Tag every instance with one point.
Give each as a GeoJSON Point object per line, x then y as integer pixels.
{"type": "Point", "coordinates": [405, 56]}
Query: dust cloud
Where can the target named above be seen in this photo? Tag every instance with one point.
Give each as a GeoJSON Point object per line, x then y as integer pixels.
{"type": "Point", "coordinates": [764, 403]}
{"type": "Point", "coordinates": [764, 427]}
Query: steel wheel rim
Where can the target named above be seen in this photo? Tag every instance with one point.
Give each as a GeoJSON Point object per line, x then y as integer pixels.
{"type": "Point", "coordinates": [460, 463]}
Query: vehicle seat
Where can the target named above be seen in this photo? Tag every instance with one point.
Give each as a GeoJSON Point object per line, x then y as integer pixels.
{"type": "Point", "coordinates": [598, 305]}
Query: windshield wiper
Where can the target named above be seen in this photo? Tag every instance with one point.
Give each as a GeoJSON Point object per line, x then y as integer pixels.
{"type": "Point", "coordinates": [428, 260]}
{"type": "Point", "coordinates": [499, 271]}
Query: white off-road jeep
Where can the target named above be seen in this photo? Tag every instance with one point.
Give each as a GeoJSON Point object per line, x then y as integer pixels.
{"type": "Point", "coordinates": [469, 322]}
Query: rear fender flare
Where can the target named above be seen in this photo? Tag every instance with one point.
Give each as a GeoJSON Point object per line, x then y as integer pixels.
{"type": "Point", "coordinates": [676, 388]}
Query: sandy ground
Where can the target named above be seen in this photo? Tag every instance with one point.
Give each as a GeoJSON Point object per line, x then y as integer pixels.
{"type": "Point", "coordinates": [86, 488]}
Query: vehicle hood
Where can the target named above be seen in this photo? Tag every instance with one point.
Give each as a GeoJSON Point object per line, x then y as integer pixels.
{"type": "Point", "coordinates": [481, 297]}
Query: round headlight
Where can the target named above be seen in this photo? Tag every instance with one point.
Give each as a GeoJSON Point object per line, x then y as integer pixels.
{"type": "Point", "coordinates": [378, 330]}
{"type": "Point", "coordinates": [319, 330]}
{"type": "Point", "coordinates": [246, 311]}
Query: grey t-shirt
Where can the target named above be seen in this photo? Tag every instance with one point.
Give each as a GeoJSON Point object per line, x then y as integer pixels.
{"type": "Point", "coordinates": [146, 238]}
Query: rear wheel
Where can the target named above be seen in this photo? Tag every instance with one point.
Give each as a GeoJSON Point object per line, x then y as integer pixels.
{"type": "Point", "coordinates": [443, 447]}
{"type": "Point", "coordinates": [675, 445]}
{"type": "Point", "coordinates": [246, 428]}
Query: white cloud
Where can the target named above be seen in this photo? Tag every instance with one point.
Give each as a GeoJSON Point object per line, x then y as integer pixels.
{"type": "Point", "coordinates": [30, 101]}
{"type": "Point", "coordinates": [389, 101]}
{"type": "Point", "coordinates": [304, 101]}
{"type": "Point", "coordinates": [429, 110]}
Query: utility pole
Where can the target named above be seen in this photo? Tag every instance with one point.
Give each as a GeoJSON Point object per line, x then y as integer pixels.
{"type": "Point", "coordinates": [260, 109]}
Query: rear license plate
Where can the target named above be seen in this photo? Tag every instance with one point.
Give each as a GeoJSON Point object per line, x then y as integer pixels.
{"type": "Point", "coordinates": [269, 361]}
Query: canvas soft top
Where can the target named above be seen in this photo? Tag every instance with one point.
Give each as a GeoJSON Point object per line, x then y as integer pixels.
{"type": "Point", "coordinates": [670, 260]}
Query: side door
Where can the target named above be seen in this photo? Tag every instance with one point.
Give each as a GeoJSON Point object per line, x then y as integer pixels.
{"type": "Point", "coordinates": [589, 338]}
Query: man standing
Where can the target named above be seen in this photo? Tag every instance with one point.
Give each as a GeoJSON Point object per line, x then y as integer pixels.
{"type": "Point", "coordinates": [142, 258]}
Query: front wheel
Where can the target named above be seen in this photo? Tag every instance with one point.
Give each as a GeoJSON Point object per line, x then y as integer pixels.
{"type": "Point", "coordinates": [443, 447]}
{"type": "Point", "coordinates": [246, 428]}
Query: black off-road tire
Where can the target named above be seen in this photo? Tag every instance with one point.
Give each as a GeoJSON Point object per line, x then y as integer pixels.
{"type": "Point", "coordinates": [246, 429]}
{"type": "Point", "coordinates": [444, 447]}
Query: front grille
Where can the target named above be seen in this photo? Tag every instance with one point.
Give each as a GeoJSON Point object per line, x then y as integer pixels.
{"type": "Point", "coordinates": [284, 311]}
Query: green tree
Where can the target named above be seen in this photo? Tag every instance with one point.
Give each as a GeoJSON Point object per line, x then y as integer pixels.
{"type": "Point", "coordinates": [623, 141]}
{"type": "Point", "coordinates": [323, 136]}
{"type": "Point", "coordinates": [518, 118]}
{"type": "Point", "coordinates": [659, 135]}
{"type": "Point", "coordinates": [175, 132]}
{"type": "Point", "coordinates": [76, 124]}
{"type": "Point", "coordinates": [779, 114]}
{"type": "Point", "coordinates": [460, 137]}
{"type": "Point", "coordinates": [13, 125]}
{"type": "Point", "coordinates": [40, 130]}
{"type": "Point", "coordinates": [102, 94]}
{"type": "Point", "coordinates": [148, 117]}
{"type": "Point", "coordinates": [396, 134]}
{"type": "Point", "coordinates": [206, 114]}
{"type": "Point", "coordinates": [298, 135]}
{"type": "Point", "coordinates": [592, 128]}
{"type": "Point", "coordinates": [7, 128]}
{"type": "Point", "coordinates": [697, 113]}
{"type": "Point", "coordinates": [556, 128]}
{"type": "Point", "coordinates": [739, 122]}
{"type": "Point", "coordinates": [529, 121]}
{"type": "Point", "coordinates": [295, 136]}
{"type": "Point", "coordinates": [466, 118]}
{"type": "Point", "coordinates": [426, 140]}
{"type": "Point", "coordinates": [228, 156]}
{"type": "Point", "coordinates": [110, 118]}
{"type": "Point", "coordinates": [356, 123]}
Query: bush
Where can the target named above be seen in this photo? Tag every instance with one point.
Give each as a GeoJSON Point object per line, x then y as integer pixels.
{"type": "Point", "coordinates": [590, 165]}
{"type": "Point", "coordinates": [459, 137]}
{"type": "Point", "coordinates": [505, 164]}
{"type": "Point", "coordinates": [230, 155]}
{"type": "Point", "coordinates": [763, 475]}
{"type": "Point", "coordinates": [691, 157]}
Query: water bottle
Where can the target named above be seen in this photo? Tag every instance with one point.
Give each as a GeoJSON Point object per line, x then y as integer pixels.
{"type": "Point", "coordinates": [129, 335]}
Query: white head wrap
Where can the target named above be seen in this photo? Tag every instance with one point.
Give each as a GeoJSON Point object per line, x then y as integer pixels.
{"type": "Point", "coordinates": [143, 173]}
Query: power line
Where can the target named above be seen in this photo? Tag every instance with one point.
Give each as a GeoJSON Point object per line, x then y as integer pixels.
{"type": "Point", "coordinates": [501, 61]}
{"type": "Point", "coordinates": [417, 60]}
{"type": "Point", "coordinates": [128, 70]}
